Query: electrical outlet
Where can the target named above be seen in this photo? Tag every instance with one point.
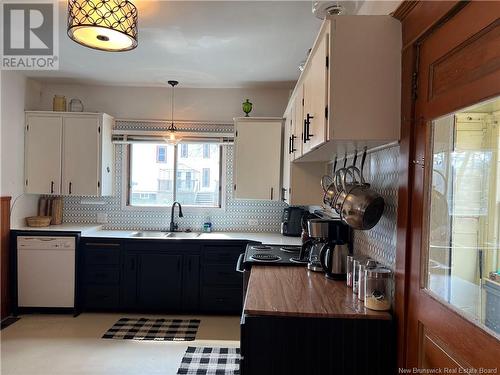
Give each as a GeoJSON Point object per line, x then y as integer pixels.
{"type": "Point", "coordinates": [253, 222]}
{"type": "Point", "coordinates": [102, 218]}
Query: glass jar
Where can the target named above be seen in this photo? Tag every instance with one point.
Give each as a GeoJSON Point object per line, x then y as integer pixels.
{"type": "Point", "coordinates": [361, 282]}
{"type": "Point", "coordinates": [59, 103]}
{"type": "Point", "coordinates": [378, 288]}
{"type": "Point", "coordinates": [370, 263]}
{"type": "Point", "coordinates": [355, 276]}
{"type": "Point", "coordinates": [349, 268]}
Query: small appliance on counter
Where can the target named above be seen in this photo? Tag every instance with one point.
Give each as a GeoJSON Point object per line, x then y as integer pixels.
{"type": "Point", "coordinates": [327, 247]}
{"type": "Point", "coordinates": [291, 221]}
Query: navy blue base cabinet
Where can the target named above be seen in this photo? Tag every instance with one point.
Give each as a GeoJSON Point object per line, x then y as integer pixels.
{"type": "Point", "coordinates": [161, 276]}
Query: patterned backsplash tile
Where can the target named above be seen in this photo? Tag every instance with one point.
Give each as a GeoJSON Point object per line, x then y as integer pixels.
{"type": "Point", "coordinates": [235, 217]}
{"type": "Point", "coordinates": [379, 243]}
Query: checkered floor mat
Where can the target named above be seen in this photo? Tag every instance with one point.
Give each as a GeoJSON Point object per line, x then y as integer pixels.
{"type": "Point", "coordinates": [210, 361]}
{"type": "Point", "coordinates": [153, 329]}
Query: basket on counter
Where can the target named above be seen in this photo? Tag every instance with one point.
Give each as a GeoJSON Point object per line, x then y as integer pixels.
{"type": "Point", "coordinates": [38, 221]}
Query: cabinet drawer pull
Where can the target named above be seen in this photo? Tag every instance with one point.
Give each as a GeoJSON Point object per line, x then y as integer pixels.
{"type": "Point", "coordinates": [70, 186]}
{"type": "Point", "coordinates": [272, 190]}
{"type": "Point", "coordinates": [102, 244]}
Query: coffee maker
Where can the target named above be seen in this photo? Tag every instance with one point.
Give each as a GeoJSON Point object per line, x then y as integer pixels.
{"type": "Point", "coordinates": [326, 249]}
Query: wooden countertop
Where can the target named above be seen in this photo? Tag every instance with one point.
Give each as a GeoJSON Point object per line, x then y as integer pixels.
{"type": "Point", "coordinates": [298, 292]}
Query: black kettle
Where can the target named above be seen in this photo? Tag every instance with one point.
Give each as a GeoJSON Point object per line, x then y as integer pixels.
{"type": "Point", "coordinates": [333, 259]}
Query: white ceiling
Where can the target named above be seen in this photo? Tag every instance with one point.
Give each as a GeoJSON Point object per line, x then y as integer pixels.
{"type": "Point", "coordinates": [204, 44]}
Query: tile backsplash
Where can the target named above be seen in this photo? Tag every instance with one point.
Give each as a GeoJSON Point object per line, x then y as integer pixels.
{"type": "Point", "coordinates": [264, 216]}
{"type": "Point", "coordinates": [379, 243]}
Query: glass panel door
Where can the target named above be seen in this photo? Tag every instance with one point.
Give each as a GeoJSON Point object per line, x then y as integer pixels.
{"type": "Point", "coordinates": [463, 259]}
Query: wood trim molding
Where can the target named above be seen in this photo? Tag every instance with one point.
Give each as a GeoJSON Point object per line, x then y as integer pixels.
{"type": "Point", "coordinates": [4, 256]}
{"type": "Point", "coordinates": [404, 9]}
{"type": "Point", "coordinates": [426, 15]}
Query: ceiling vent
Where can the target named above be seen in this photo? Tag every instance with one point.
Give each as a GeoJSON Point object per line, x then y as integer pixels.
{"type": "Point", "coordinates": [321, 9]}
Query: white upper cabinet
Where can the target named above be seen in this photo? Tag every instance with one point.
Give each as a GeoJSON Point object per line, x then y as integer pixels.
{"type": "Point", "coordinates": [257, 158]}
{"type": "Point", "coordinates": [85, 153]}
{"type": "Point", "coordinates": [351, 87]}
{"type": "Point", "coordinates": [316, 96]}
{"type": "Point", "coordinates": [43, 137]}
{"type": "Point", "coordinates": [297, 104]}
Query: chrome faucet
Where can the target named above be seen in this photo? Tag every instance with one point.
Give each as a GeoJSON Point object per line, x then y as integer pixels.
{"type": "Point", "coordinates": [174, 226]}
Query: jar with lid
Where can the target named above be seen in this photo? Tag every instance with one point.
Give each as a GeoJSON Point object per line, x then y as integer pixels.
{"type": "Point", "coordinates": [349, 269]}
{"type": "Point", "coordinates": [370, 263]}
{"type": "Point", "coordinates": [378, 288]}
{"type": "Point", "coordinates": [59, 103]}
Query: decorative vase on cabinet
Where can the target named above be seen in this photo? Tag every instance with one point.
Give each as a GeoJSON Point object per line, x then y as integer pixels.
{"type": "Point", "coordinates": [247, 107]}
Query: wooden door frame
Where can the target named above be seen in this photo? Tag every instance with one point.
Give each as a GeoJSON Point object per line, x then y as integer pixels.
{"type": "Point", "coordinates": [419, 19]}
{"type": "Point", "coordinates": [5, 300]}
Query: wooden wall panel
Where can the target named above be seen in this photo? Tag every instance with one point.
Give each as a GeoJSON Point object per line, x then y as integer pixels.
{"type": "Point", "coordinates": [422, 17]}
{"type": "Point", "coordinates": [4, 258]}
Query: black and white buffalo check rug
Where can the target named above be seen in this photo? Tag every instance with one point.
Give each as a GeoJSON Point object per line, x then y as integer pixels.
{"type": "Point", "coordinates": [153, 329]}
{"type": "Point", "coordinates": [210, 361]}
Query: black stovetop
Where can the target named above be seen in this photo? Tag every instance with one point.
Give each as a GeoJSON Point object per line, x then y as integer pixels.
{"type": "Point", "coordinates": [273, 255]}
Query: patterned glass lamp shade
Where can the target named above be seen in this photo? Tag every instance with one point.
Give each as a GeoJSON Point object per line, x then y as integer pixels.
{"type": "Point", "coordinates": [107, 25]}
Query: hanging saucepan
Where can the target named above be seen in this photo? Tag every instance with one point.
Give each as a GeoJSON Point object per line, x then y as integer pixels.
{"type": "Point", "coordinates": [362, 207]}
{"type": "Point", "coordinates": [341, 193]}
{"type": "Point", "coordinates": [329, 187]}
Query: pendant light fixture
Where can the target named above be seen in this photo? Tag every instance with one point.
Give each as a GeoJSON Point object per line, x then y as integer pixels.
{"type": "Point", "coordinates": [106, 25]}
{"type": "Point", "coordinates": [172, 128]}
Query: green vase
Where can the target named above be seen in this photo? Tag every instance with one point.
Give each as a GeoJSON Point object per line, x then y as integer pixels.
{"type": "Point", "coordinates": [247, 107]}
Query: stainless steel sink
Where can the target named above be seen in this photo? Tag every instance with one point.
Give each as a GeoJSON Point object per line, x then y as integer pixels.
{"type": "Point", "coordinates": [172, 235]}
{"type": "Point", "coordinates": [149, 234]}
{"type": "Point", "coordinates": [182, 235]}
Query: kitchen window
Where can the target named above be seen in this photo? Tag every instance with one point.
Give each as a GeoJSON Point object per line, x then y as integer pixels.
{"type": "Point", "coordinates": [181, 172]}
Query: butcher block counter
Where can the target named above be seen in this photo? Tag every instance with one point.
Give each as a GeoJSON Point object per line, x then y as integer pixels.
{"type": "Point", "coordinates": [298, 292]}
{"type": "Point", "coordinates": [298, 322]}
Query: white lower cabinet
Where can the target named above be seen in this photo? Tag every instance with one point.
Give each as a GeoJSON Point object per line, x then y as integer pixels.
{"type": "Point", "coordinates": [257, 158]}
{"type": "Point", "coordinates": [69, 154]}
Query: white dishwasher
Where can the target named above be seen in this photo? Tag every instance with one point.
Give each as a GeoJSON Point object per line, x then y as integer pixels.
{"type": "Point", "coordinates": [46, 271]}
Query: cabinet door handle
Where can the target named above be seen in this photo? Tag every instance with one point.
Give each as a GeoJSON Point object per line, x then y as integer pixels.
{"type": "Point", "coordinates": [51, 187]}
{"type": "Point", "coordinates": [272, 190]}
{"type": "Point", "coordinates": [290, 145]}
{"type": "Point", "coordinates": [308, 123]}
{"type": "Point", "coordinates": [70, 186]}
{"type": "Point", "coordinates": [293, 146]}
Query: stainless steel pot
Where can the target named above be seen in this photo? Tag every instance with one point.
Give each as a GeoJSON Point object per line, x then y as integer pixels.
{"type": "Point", "coordinates": [362, 207]}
